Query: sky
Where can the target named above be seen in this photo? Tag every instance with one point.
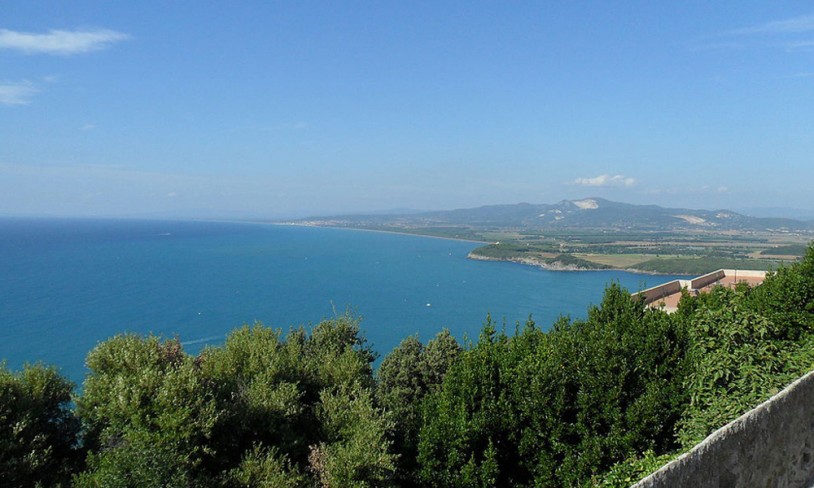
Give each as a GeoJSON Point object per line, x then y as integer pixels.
{"type": "Point", "coordinates": [284, 109]}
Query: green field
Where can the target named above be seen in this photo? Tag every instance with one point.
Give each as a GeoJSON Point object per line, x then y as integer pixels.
{"type": "Point", "coordinates": [619, 261]}
{"type": "Point", "coordinates": [666, 253]}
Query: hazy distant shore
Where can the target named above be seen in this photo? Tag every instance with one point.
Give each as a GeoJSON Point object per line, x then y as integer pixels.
{"type": "Point", "coordinates": [683, 265]}
{"type": "Point", "coordinates": [430, 236]}
{"type": "Point", "coordinates": [471, 255]}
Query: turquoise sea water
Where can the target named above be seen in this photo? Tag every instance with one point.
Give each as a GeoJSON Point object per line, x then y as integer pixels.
{"type": "Point", "coordinates": [65, 285]}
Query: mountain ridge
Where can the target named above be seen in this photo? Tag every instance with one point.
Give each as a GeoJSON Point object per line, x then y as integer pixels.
{"type": "Point", "coordinates": [585, 213]}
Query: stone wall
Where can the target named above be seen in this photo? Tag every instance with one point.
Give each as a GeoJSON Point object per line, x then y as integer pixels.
{"type": "Point", "coordinates": [657, 292]}
{"type": "Point", "coordinates": [707, 279]}
{"type": "Point", "coordinates": [769, 446]}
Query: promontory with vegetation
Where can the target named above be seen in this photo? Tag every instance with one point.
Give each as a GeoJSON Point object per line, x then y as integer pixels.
{"type": "Point", "coordinates": [594, 233]}
{"type": "Point", "coordinates": [599, 401]}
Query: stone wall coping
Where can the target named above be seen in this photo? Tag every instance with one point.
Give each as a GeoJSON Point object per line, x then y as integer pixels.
{"type": "Point", "coordinates": [739, 453]}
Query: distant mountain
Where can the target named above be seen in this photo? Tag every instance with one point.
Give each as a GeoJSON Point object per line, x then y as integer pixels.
{"type": "Point", "coordinates": [783, 212]}
{"type": "Point", "coordinates": [588, 213]}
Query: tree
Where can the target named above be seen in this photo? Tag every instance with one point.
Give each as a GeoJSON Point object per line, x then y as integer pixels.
{"type": "Point", "coordinates": [296, 407]}
{"type": "Point", "coordinates": [555, 409]}
{"type": "Point", "coordinates": [787, 297]}
{"type": "Point", "coordinates": [260, 388]}
{"type": "Point", "coordinates": [400, 389]}
{"type": "Point", "coordinates": [441, 352]}
{"type": "Point", "coordinates": [404, 378]}
{"type": "Point", "coordinates": [469, 424]}
{"type": "Point", "coordinates": [354, 451]}
{"type": "Point", "coordinates": [148, 414]}
{"type": "Point", "coordinates": [265, 468]}
{"type": "Point", "coordinates": [38, 430]}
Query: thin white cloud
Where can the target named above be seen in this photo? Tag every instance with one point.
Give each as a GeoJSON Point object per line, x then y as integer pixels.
{"type": "Point", "coordinates": [793, 34]}
{"type": "Point", "coordinates": [284, 127]}
{"type": "Point", "coordinates": [698, 190]}
{"type": "Point", "coordinates": [804, 23]}
{"type": "Point", "coordinates": [17, 93]}
{"type": "Point", "coordinates": [606, 181]}
{"type": "Point", "coordinates": [60, 42]}
{"type": "Point", "coordinates": [716, 46]}
{"type": "Point", "coordinates": [799, 45]}
{"type": "Point", "coordinates": [280, 127]}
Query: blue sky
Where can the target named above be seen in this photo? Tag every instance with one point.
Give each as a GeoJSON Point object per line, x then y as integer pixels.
{"type": "Point", "coordinates": [295, 108]}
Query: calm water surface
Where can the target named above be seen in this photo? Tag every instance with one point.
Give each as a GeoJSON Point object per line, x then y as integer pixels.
{"type": "Point", "coordinates": [65, 285]}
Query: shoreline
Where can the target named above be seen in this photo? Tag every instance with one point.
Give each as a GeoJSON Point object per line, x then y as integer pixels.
{"type": "Point", "coordinates": [549, 267]}
{"type": "Point", "coordinates": [296, 224]}
{"type": "Point", "coordinates": [470, 255]}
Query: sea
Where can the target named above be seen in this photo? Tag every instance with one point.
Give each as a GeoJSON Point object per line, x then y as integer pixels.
{"type": "Point", "coordinates": [67, 284]}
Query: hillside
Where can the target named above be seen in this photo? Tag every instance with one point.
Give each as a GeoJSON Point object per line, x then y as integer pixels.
{"type": "Point", "coordinates": [584, 214]}
{"type": "Point", "coordinates": [594, 233]}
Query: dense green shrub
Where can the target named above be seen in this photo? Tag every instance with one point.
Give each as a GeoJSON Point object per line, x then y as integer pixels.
{"type": "Point", "coordinates": [38, 430]}
{"type": "Point", "coordinates": [631, 470]}
{"type": "Point", "coordinates": [553, 409]}
{"type": "Point", "coordinates": [404, 378]}
{"type": "Point", "coordinates": [258, 410]}
{"type": "Point", "coordinates": [787, 297]}
{"type": "Point", "coordinates": [738, 358]}
{"type": "Point", "coordinates": [148, 414]}
{"type": "Point", "coordinates": [469, 416]}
